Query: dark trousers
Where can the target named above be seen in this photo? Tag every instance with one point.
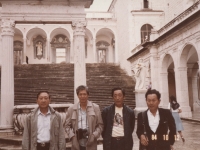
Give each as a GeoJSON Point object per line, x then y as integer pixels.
{"type": "Point", "coordinates": [117, 143]}
{"type": "Point", "coordinates": [40, 147]}
{"type": "Point", "coordinates": [82, 148]}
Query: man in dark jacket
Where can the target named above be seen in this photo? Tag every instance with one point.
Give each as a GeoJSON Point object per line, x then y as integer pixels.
{"type": "Point", "coordinates": [156, 121]}
{"type": "Point", "coordinates": [119, 122]}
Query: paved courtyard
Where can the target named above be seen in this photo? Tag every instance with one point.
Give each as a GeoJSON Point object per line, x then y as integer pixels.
{"type": "Point", "coordinates": [191, 134]}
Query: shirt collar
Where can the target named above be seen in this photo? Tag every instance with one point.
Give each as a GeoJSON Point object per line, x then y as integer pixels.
{"type": "Point", "coordinates": [40, 113]}
{"type": "Point", "coordinates": [79, 105]}
{"type": "Point", "coordinates": [149, 112]}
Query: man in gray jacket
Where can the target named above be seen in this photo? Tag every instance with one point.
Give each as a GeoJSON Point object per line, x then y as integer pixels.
{"type": "Point", "coordinates": [43, 129]}
{"type": "Point", "coordinates": [83, 122]}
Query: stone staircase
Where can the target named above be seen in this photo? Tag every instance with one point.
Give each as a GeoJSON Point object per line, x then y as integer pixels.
{"type": "Point", "coordinates": [58, 79]}
{"type": "Point", "coordinates": [101, 78]}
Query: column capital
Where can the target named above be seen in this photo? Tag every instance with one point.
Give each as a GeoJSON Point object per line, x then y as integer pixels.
{"type": "Point", "coordinates": [79, 27]}
{"type": "Point", "coordinates": [8, 27]}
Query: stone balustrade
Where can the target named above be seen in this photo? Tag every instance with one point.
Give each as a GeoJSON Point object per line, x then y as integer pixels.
{"type": "Point", "coordinates": [21, 112]}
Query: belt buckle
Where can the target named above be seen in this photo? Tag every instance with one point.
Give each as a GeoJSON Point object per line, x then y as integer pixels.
{"type": "Point", "coordinates": [118, 138]}
{"type": "Point", "coordinates": [42, 144]}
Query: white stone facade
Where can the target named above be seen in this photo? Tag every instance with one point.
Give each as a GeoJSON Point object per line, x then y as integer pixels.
{"type": "Point", "coordinates": [170, 55]}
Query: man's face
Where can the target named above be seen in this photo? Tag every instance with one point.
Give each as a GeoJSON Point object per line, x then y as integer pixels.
{"type": "Point", "coordinates": [43, 100]}
{"type": "Point", "coordinates": [83, 96]}
{"type": "Point", "coordinates": [152, 102]}
{"type": "Point", "coordinates": [118, 98]}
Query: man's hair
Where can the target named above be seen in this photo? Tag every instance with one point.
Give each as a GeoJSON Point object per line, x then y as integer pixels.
{"type": "Point", "coordinates": [153, 91]}
{"type": "Point", "coordinates": [117, 88]}
{"type": "Point", "coordinates": [38, 94]}
{"type": "Point", "coordinates": [81, 88]}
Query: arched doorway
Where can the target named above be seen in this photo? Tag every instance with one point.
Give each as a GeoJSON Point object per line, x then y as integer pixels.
{"type": "Point", "coordinates": [18, 47]}
{"type": "Point", "coordinates": [60, 45]}
{"type": "Point", "coordinates": [102, 52]}
{"type": "Point", "coordinates": [105, 46]}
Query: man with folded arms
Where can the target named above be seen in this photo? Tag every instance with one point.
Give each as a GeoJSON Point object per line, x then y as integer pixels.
{"type": "Point", "coordinates": [43, 129]}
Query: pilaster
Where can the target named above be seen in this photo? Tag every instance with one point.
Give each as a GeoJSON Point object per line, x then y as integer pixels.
{"type": "Point", "coordinates": [24, 52]}
{"type": "Point", "coordinates": [154, 67]}
{"type": "Point", "coordinates": [182, 91]}
{"type": "Point", "coordinates": [71, 51]}
{"type": "Point", "coordinates": [94, 50]}
{"type": "Point", "coordinates": [164, 90]}
{"type": "Point", "coordinates": [7, 75]}
{"type": "Point", "coordinates": [48, 50]}
{"type": "Point", "coordinates": [79, 55]}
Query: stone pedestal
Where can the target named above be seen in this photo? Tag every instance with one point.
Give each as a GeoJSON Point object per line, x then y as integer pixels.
{"type": "Point", "coordinates": [7, 75]}
{"type": "Point", "coordinates": [140, 101]}
{"type": "Point", "coordinates": [79, 55]}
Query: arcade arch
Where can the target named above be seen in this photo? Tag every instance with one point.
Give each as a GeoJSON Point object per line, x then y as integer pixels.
{"type": "Point", "coordinates": [168, 86]}
{"type": "Point", "coordinates": [18, 47]}
{"type": "Point", "coordinates": [189, 62]}
{"type": "Point", "coordinates": [60, 46]}
{"type": "Point", "coordinates": [88, 45]}
{"type": "Point", "coordinates": [105, 46]}
{"type": "Point", "coordinates": [36, 45]}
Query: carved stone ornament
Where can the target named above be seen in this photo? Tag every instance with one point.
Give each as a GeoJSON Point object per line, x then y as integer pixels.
{"type": "Point", "coordinates": [7, 27]}
{"type": "Point", "coordinates": [39, 44]}
{"type": "Point", "coordinates": [139, 73]}
{"type": "Point", "coordinates": [102, 44]}
{"type": "Point", "coordinates": [79, 27]}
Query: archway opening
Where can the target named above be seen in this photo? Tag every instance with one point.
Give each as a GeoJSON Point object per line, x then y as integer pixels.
{"type": "Point", "coordinates": [189, 78]}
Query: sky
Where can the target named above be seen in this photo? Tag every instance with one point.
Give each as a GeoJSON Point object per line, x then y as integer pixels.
{"type": "Point", "coordinates": [100, 5]}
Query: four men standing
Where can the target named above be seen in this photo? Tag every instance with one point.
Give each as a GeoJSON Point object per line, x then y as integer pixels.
{"type": "Point", "coordinates": [84, 124]}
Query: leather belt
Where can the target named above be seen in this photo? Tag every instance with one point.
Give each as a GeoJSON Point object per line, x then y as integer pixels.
{"type": "Point", "coordinates": [43, 144]}
{"type": "Point", "coordinates": [118, 138]}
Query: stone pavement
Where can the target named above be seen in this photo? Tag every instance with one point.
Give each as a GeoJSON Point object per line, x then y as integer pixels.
{"type": "Point", "coordinates": [191, 133]}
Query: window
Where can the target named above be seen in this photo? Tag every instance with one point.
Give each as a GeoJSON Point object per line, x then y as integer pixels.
{"type": "Point", "coordinates": [145, 33]}
{"type": "Point", "coordinates": [146, 3]}
{"type": "Point", "coordinates": [60, 55]}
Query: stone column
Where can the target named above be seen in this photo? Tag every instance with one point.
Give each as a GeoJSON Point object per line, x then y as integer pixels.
{"type": "Point", "coordinates": [24, 52]}
{"type": "Point", "coordinates": [7, 75]}
{"type": "Point", "coordinates": [116, 51]}
{"type": "Point", "coordinates": [94, 50]}
{"type": "Point", "coordinates": [182, 91]}
{"type": "Point", "coordinates": [164, 90]}
{"type": "Point", "coordinates": [154, 67]}
{"type": "Point", "coordinates": [79, 55]}
{"type": "Point", "coordinates": [71, 51]}
{"type": "Point", "coordinates": [48, 51]}
{"type": "Point", "coordinates": [196, 107]}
